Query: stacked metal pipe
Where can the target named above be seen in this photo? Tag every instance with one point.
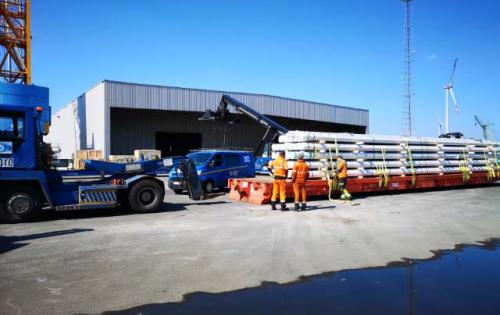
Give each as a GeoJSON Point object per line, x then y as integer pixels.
{"type": "Point", "coordinates": [372, 155]}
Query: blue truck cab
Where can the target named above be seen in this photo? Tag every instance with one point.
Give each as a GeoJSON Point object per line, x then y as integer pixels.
{"type": "Point", "coordinates": [29, 183]}
{"type": "Point", "coordinates": [214, 168]}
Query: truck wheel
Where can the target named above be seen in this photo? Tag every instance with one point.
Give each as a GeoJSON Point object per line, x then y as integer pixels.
{"type": "Point", "coordinates": [19, 203]}
{"type": "Point", "coordinates": [208, 186]}
{"type": "Point", "coordinates": [145, 196]}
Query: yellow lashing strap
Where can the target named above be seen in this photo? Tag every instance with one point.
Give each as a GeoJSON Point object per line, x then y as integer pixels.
{"type": "Point", "coordinates": [412, 168]}
{"type": "Point", "coordinates": [336, 183]}
{"type": "Point", "coordinates": [464, 167]}
{"type": "Point", "coordinates": [497, 165]}
{"type": "Point", "coordinates": [489, 167]}
{"type": "Point", "coordinates": [331, 175]}
{"type": "Point", "coordinates": [382, 171]}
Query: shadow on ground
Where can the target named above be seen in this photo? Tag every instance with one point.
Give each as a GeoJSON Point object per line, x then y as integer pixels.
{"type": "Point", "coordinates": [8, 243]}
{"type": "Point", "coordinates": [310, 208]}
{"type": "Point", "coordinates": [51, 215]}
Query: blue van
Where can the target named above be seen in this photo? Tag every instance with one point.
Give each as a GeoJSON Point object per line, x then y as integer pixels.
{"type": "Point", "coordinates": [215, 167]}
{"type": "Point", "coordinates": [261, 165]}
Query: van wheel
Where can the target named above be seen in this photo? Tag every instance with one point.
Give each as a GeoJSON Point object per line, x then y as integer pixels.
{"type": "Point", "coordinates": [145, 196]}
{"type": "Point", "coordinates": [19, 203]}
{"type": "Point", "coordinates": [208, 186]}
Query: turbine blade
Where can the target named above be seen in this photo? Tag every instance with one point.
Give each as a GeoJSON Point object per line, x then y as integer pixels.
{"type": "Point", "coordinates": [454, 100]}
{"type": "Point", "coordinates": [452, 76]}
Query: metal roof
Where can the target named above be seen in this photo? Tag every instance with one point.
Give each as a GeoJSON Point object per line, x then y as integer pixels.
{"type": "Point", "coordinates": [142, 96]}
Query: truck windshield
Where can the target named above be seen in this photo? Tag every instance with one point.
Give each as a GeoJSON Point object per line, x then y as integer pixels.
{"type": "Point", "coordinates": [11, 126]}
{"type": "Point", "coordinates": [199, 158]}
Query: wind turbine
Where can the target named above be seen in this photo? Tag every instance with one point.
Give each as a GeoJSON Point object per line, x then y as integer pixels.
{"type": "Point", "coordinates": [448, 91]}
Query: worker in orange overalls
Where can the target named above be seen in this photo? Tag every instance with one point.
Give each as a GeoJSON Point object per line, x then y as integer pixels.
{"type": "Point", "coordinates": [342, 177]}
{"type": "Point", "coordinates": [279, 168]}
{"type": "Point", "coordinates": [300, 175]}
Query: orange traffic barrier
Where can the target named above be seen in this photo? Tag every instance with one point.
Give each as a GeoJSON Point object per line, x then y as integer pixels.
{"type": "Point", "coordinates": [239, 189]}
{"type": "Point", "coordinates": [259, 190]}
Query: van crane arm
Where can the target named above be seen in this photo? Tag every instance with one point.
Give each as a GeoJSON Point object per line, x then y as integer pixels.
{"type": "Point", "coordinates": [273, 129]}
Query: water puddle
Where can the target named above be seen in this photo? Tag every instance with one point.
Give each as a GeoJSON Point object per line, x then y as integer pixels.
{"type": "Point", "coordinates": [463, 281]}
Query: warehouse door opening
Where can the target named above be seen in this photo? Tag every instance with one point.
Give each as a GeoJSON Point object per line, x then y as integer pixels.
{"type": "Point", "coordinates": [175, 143]}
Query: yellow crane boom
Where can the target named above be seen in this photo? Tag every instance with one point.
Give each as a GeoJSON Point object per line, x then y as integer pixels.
{"type": "Point", "coordinates": [15, 41]}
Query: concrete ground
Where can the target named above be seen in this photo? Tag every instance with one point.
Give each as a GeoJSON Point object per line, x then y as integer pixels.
{"type": "Point", "coordinates": [95, 261]}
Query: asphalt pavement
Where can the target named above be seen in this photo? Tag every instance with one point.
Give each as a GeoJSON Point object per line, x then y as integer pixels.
{"type": "Point", "coordinates": [107, 260]}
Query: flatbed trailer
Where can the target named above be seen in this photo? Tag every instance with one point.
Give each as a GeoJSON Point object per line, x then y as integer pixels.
{"type": "Point", "coordinates": [259, 190]}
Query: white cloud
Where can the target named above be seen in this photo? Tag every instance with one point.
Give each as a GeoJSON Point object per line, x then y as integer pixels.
{"type": "Point", "coordinates": [432, 57]}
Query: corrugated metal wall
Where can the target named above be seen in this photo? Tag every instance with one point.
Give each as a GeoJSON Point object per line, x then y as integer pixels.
{"type": "Point", "coordinates": [136, 129]}
{"type": "Point", "coordinates": [139, 96]}
{"type": "Point", "coordinates": [169, 109]}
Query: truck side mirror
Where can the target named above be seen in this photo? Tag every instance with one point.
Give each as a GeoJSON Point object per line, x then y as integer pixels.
{"type": "Point", "coordinates": [46, 128]}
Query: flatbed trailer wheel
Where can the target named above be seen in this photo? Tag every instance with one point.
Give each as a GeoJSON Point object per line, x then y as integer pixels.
{"type": "Point", "coordinates": [19, 203]}
{"type": "Point", "coordinates": [145, 196]}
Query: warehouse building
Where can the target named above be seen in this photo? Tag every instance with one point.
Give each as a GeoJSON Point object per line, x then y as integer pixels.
{"type": "Point", "coordinates": [118, 117]}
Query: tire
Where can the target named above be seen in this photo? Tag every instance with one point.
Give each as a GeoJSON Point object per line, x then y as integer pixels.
{"type": "Point", "coordinates": [178, 191]}
{"type": "Point", "coordinates": [19, 204]}
{"type": "Point", "coordinates": [208, 186]}
{"type": "Point", "coordinates": [145, 196]}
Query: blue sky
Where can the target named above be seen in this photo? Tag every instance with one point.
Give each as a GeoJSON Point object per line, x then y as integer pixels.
{"type": "Point", "coordinates": [339, 52]}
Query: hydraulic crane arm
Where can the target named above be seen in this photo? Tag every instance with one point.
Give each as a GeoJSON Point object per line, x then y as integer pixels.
{"type": "Point", "coordinates": [274, 129]}
{"type": "Point", "coordinates": [249, 112]}
{"type": "Point", "coordinates": [486, 128]}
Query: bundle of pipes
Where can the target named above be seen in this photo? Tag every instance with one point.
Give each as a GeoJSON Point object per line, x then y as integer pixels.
{"type": "Point", "coordinates": [372, 155]}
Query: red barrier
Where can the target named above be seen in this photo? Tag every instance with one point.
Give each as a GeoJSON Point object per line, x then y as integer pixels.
{"type": "Point", "coordinates": [239, 189]}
